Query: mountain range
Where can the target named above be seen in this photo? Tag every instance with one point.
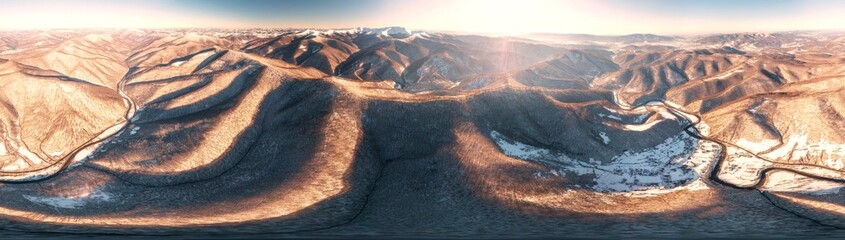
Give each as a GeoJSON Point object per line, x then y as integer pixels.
{"type": "Point", "coordinates": [382, 131]}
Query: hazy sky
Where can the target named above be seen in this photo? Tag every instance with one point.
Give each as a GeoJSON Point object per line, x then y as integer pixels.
{"type": "Point", "coordinates": [503, 16]}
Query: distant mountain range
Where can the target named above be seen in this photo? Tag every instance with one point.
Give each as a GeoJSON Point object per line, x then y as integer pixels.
{"type": "Point", "coordinates": [380, 131]}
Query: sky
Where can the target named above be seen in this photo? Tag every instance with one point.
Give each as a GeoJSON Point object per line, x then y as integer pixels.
{"type": "Point", "coordinates": [505, 17]}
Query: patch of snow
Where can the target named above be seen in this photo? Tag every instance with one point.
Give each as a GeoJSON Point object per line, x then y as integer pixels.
{"type": "Point", "coordinates": [641, 127]}
{"type": "Point", "coordinates": [387, 31]}
{"type": "Point", "coordinates": [136, 117]}
{"type": "Point", "coordinates": [757, 147]}
{"type": "Point", "coordinates": [604, 138]}
{"type": "Point", "coordinates": [96, 196]}
{"type": "Point", "coordinates": [654, 106]}
{"type": "Point", "coordinates": [620, 102]}
{"type": "Point", "coordinates": [799, 146]}
{"type": "Point", "coordinates": [3, 151]}
{"type": "Point", "coordinates": [134, 130]}
{"type": "Point", "coordinates": [518, 149]}
{"type": "Point", "coordinates": [641, 118]}
{"type": "Point", "coordinates": [32, 157]}
{"type": "Point", "coordinates": [741, 168]}
{"type": "Point", "coordinates": [610, 116]}
{"type": "Point", "coordinates": [421, 35]}
{"type": "Point", "coordinates": [58, 202]}
{"type": "Point", "coordinates": [21, 149]}
{"type": "Point", "coordinates": [201, 56]}
{"type": "Point", "coordinates": [754, 108]}
{"type": "Point", "coordinates": [729, 72]}
{"type": "Point", "coordinates": [783, 181]}
{"type": "Point", "coordinates": [832, 154]}
{"type": "Point", "coordinates": [83, 154]}
{"type": "Point", "coordinates": [18, 164]}
{"type": "Point", "coordinates": [309, 32]}
{"type": "Point", "coordinates": [748, 47]}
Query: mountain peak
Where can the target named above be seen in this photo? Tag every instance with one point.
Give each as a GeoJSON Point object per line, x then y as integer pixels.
{"type": "Point", "coordinates": [387, 31]}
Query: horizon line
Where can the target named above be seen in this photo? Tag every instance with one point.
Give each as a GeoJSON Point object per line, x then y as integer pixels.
{"type": "Point", "coordinates": [452, 32]}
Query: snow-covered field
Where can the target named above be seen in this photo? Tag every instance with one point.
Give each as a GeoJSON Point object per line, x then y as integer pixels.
{"type": "Point", "coordinates": [798, 147]}
{"type": "Point", "coordinates": [742, 168]}
{"type": "Point", "coordinates": [677, 163]}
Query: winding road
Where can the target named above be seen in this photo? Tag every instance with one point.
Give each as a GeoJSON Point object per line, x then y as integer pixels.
{"type": "Point", "coordinates": [717, 166]}
{"type": "Point", "coordinates": [762, 176]}
{"type": "Point", "coordinates": [66, 162]}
